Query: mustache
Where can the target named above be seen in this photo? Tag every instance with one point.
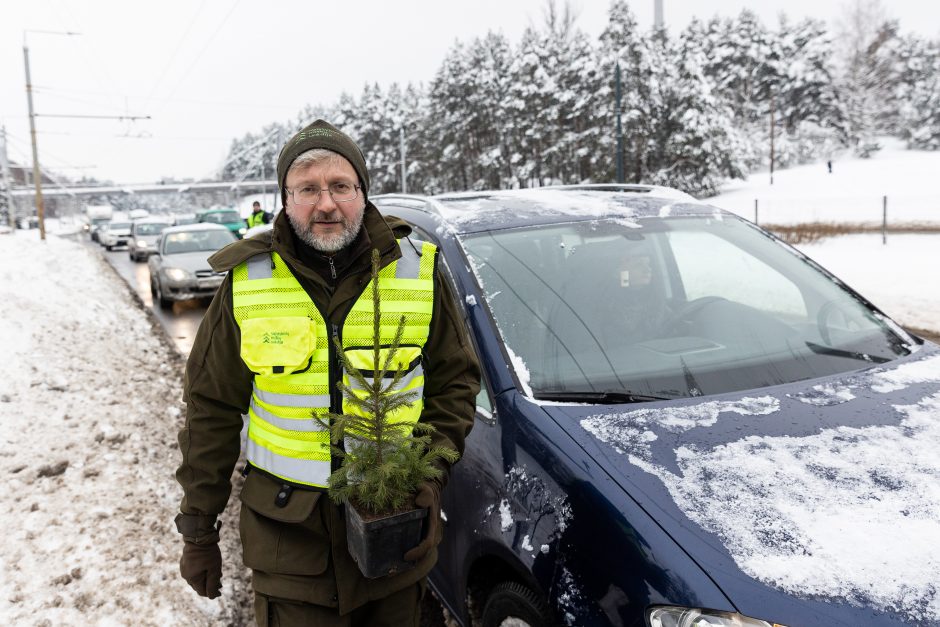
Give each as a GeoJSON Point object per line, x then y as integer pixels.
{"type": "Point", "coordinates": [333, 216]}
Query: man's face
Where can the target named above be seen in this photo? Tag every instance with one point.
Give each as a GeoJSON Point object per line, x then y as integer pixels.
{"type": "Point", "coordinates": [256, 208]}
{"type": "Point", "coordinates": [327, 226]}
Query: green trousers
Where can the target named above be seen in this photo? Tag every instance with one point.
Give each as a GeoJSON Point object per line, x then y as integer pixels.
{"type": "Point", "coordinates": [400, 609]}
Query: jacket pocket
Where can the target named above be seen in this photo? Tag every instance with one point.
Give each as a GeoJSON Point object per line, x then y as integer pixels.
{"type": "Point", "coordinates": [289, 540]}
{"type": "Point", "coordinates": [279, 345]}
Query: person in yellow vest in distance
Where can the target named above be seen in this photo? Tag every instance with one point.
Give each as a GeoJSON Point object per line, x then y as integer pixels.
{"type": "Point", "coordinates": [257, 217]}
{"type": "Point", "coordinates": [304, 281]}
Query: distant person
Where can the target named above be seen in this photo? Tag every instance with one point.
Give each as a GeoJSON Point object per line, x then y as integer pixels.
{"type": "Point", "coordinates": [829, 165]}
{"type": "Point", "coordinates": [257, 215]}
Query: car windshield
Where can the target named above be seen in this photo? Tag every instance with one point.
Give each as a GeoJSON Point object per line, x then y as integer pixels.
{"type": "Point", "coordinates": [119, 226]}
{"type": "Point", "coordinates": [675, 307]}
{"type": "Point", "coordinates": [196, 241]}
{"type": "Point", "coordinates": [150, 228]}
{"type": "Point", "coordinates": [221, 217]}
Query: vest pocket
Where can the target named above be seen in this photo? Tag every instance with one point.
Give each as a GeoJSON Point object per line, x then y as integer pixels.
{"type": "Point", "coordinates": [290, 540]}
{"type": "Point", "coordinates": [278, 345]}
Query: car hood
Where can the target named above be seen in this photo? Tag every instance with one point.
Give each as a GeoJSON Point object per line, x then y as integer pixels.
{"type": "Point", "coordinates": [191, 262]}
{"type": "Point", "coordinates": [827, 491]}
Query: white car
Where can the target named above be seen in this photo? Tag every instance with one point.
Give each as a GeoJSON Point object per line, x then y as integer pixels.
{"type": "Point", "coordinates": [114, 234]}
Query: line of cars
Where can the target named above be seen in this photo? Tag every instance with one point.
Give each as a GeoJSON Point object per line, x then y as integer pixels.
{"type": "Point", "coordinates": [176, 249]}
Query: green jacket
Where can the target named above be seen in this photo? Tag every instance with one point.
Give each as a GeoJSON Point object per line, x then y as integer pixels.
{"type": "Point", "coordinates": [299, 551]}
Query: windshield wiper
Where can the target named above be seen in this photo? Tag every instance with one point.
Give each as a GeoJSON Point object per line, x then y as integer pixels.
{"type": "Point", "coordinates": [838, 352]}
{"type": "Point", "coordinates": [609, 397]}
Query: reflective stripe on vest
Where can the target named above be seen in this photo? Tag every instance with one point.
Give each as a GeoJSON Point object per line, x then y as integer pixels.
{"type": "Point", "coordinates": [286, 343]}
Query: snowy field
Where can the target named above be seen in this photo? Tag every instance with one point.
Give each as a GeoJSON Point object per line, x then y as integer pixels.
{"type": "Point", "coordinates": [852, 193]}
{"type": "Point", "coordinates": [91, 399]}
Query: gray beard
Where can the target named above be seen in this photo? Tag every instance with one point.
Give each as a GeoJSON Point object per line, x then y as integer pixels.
{"type": "Point", "coordinates": [327, 243]}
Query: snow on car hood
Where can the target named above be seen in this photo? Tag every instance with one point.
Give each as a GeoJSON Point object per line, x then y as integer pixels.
{"type": "Point", "coordinates": [824, 491]}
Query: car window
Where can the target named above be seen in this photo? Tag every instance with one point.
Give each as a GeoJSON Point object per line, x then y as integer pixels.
{"type": "Point", "coordinates": [196, 241]}
{"type": "Point", "coordinates": [668, 307]}
{"type": "Point", "coordinates": [221, 217]}
{"type": "Point", "coordinates": [119, 226]}
{"type": "Point", "coordinates": [149, 228]}
{"type": "Point", "coordinates": [704, 261]}
{"type": "Point", "coordinates": [484, 404]}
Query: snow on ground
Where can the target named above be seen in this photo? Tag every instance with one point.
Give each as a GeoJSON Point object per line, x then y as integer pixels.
{"type": "Point", "coordinates": [91, 402]}
{"type": "Point", "coordinates": [852, 193]}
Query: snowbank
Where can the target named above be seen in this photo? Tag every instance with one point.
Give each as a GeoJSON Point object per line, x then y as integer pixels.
{"type": "Point", "coordinates": [90, 398]}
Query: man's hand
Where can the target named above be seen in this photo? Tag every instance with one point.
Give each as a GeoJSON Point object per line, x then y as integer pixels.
{"type": "Point", "coordinates": [201, 567]}
{"type": "Point", "coordinates": [428, 495]}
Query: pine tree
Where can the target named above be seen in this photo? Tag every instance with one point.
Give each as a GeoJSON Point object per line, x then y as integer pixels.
{"type": "Point", "coordinates": [384, 459]}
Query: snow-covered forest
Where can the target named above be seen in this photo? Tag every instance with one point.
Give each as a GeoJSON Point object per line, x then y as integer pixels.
{"type": "Point", "coordinates": [697, 108]}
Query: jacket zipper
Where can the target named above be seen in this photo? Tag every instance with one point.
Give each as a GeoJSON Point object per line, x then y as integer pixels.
{"type": "Point", "coordinates": [332, 268]}
{"type": "Point", "coordinates": [335, 374]}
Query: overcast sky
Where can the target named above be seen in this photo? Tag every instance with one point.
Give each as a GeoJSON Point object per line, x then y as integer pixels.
{"type": "Point", "coordinates": [207, 71]}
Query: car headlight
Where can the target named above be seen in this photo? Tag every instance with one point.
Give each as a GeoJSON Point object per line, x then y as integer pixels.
{"type": "Point", "coordinates": [141, 243]}
{"type": "Point", "coordinates": [242, 230]}
{"type": "Point", "coordinates": [176, 274]}
{"type": "Point", "coordinates": [695, 617]}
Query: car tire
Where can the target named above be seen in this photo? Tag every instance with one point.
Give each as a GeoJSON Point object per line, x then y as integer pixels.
{"type": "Point", "coordinates": [511, 599]}
{"type": "Point", "coordinates": [109, 247]}
{"type": "Point", "coordinates": [132, 256]}
{"type": "Point", "coordinates": [164, 302]}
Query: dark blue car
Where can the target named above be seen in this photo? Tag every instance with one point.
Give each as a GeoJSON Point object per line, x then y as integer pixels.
{"type": "Point", "coordinates": [684, 423]}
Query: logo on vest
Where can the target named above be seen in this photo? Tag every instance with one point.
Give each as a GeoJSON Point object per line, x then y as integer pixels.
{"type": "Point", "coordinates": [275, 337]}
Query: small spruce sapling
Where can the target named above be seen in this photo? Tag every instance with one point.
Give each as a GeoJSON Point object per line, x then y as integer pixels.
{"type": "Point", "coordinates": [386, 459]}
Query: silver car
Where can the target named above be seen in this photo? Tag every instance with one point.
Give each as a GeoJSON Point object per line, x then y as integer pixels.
{"type": "Point", "coordinates": [145, 235]}
{"type": "Point", "coordinates": [179, 269]}
{"type": "Point", "coordinates": [114, 234]}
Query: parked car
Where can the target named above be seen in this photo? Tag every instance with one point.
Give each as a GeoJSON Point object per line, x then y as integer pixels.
{"type": "Point", "coordinates": [114, 234]}
{"type": "Point", "coordinates": [145, 234]}
{"type": "Point", "coordinates": [226, 217]}
{"type": "Point", "coordinates": [683, 422]}
{"type": "Point", "coordinates": [179, 269]}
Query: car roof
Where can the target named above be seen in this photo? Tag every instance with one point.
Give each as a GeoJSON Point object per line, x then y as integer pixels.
{"type": "Point", "coordinates": [199, 226]}
{"type": "Point", "coordinates": [468, 212]}
{"type": "Point", "coordinates": [154, 220]}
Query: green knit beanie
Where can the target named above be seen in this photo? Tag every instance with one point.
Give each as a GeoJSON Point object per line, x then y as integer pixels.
{"type": "Point", "coordinates": [321, 134]}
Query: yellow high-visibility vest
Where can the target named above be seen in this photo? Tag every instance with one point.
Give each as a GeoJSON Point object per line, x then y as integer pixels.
{"type": "Point", "coordinates": [255, 219]}
{"type": "Point", "coordinates": [287, 343]}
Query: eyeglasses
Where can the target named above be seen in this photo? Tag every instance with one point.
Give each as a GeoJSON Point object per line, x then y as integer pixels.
{"type": "Point", "coordinates": [339, 192]}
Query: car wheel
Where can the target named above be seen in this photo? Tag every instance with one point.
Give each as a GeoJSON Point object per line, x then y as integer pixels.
{"type": "Point", "coordinates": [132, 256]}
{"type": "Point", "coordinates": [512, 600]}
{"type": "Point", "coordinates": [109, 247]}
{"type": "Point", "coordinates": [165, 303]}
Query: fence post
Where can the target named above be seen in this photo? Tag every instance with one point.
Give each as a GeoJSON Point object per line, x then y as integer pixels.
{"type": "Point", "coordinates": [884, 220]}
{"type": "Point", "coordinates": [755, 211]}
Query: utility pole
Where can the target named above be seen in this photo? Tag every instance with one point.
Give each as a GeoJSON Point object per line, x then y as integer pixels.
{"type": "Point", "coordinates": [619, 127]}
{"type": "Point", "coordinates": [37, 177]}
{"type": "Point", "coordinates": [771, 138]}
{"type": "Point", "coordinates": [657, 14]}
{"type": "Point", "coordinates": [404, 173]}
{"type": "Point", "coordinates": [5, 177]}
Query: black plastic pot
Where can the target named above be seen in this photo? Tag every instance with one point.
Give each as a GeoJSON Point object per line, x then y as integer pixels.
{"type": "Point", "coordinates": [378, 545]}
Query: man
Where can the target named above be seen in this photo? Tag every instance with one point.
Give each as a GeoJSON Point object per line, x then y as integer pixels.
{"type": "Point", "coordinates": [312, 268]}
{"type": "Point", "coordinates": [257, 217]}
